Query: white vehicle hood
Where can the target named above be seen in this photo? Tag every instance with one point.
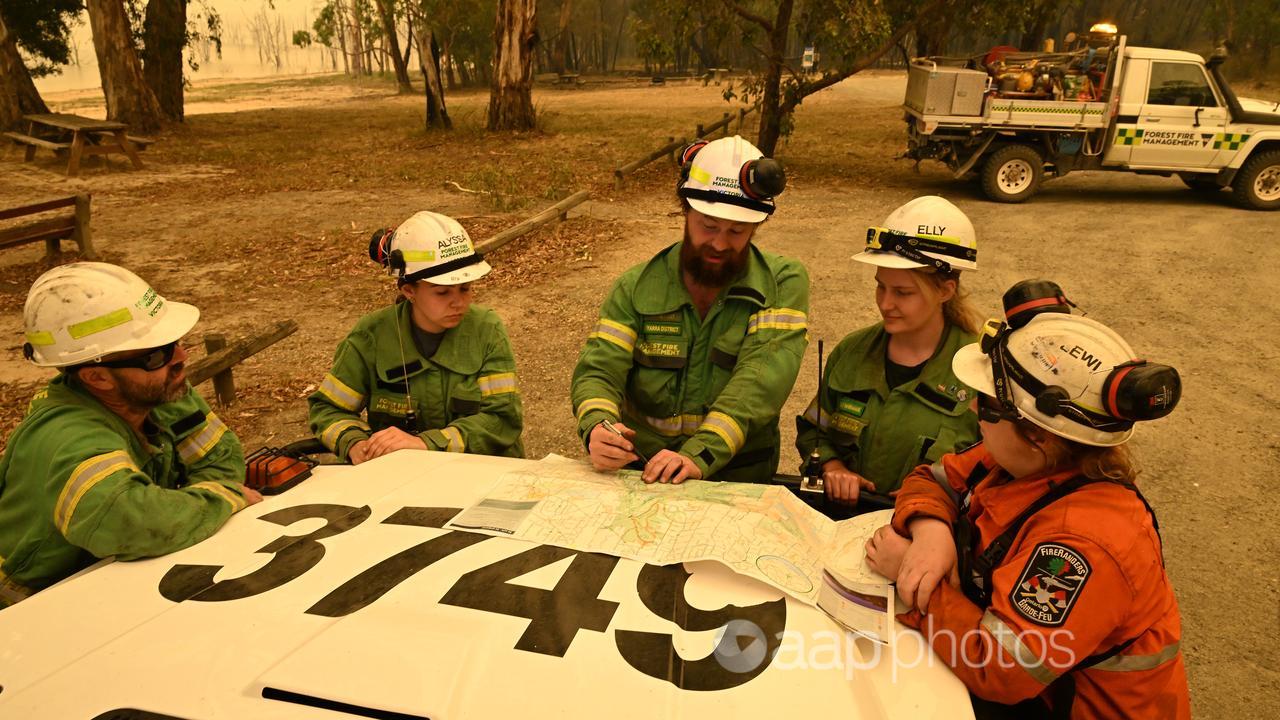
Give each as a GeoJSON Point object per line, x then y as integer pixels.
{"type": "Point", "coordinates": [1261, 106]}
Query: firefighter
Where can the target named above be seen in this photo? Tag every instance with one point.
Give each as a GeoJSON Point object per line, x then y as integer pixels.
{"type": "Point", "coordinates": [1031, 562]}
{"type": "Point", "coordinates": [697, 349]}
{"type": "Point", "coordinates": [118, 455]}
{"type": "Point", "coordinates": [888, 399]}
{"type": "Point", "coordinates": [431, 372]}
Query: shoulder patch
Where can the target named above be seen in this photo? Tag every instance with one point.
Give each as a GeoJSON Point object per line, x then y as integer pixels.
{"type": "Point", "coordinates": [1050, 583]}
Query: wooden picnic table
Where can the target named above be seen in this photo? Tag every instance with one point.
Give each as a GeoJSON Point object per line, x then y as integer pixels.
{"type": "Point", "coordinates": [79, 136]}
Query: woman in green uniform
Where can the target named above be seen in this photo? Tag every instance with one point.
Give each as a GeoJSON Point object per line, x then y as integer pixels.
{"type": "Point", "coordinates": [431, 372]}
{"type": "Point", "coordinates": [889, 400]}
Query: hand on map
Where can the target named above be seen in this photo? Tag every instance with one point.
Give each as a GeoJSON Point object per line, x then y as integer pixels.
{"type": "Point", "coordinates": [610, 451]}
{"type": "Point", "coordinates": [885, 551]}
{"type": "Point", "coordinates": [929, 559]}
{"type": "Point", "coordinates": [843, 485]}
{"type": "Point", "coordinates": [672, 467]}
{"type": "Point", "coordinates": [382, 442]}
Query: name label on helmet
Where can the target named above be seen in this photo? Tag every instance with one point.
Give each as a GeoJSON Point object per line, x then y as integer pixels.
{"type": "Point", "coordinates": [1078, 352]}
{"type": "Point", "coordinates": [453, 246]}
{"type": "Point", "coordinates": [931, 229]}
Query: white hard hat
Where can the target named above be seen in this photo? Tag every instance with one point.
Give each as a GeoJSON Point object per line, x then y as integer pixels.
{"type": "Point", "coordinates": [80, 312]}
{"type": "Point", "coordinates": [926, 232]}
{"type": "Point", "coordinates": [730, 179]}
{"type": "Point", "coordinates": [1070, 375]}
{"type": "Point", "coordinates": [429, 246]}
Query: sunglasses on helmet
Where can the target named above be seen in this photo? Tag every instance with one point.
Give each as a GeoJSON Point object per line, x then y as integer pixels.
{"type": "Point", "coordinates": [991, 410]}
{"type": "Point", "coordinates": [151, 360]}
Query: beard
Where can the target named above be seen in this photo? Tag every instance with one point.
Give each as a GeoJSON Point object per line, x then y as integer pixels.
{"type": "Point", "coordinates": [715, 275]}
{"type": "Point", "coordinates": [149, 395]}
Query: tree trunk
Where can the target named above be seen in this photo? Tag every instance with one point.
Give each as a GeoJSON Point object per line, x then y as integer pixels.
{"type": "Point", "coordinates": [354, 45]}
{"type": "Point", "coordinates": [164, 35]}
{"type": "Point", "coordinates": [18, 94]}
{"type": "Point", "coordinates": [558, 62]}
{"type": "Point", "coordinates": [515, 34]}
{"type": "Point", "coordinates": [771, 116]}
{"type": "Point", "coordinates": [429, 57]}
{"type": "Point", "coordinates": [129, 98]}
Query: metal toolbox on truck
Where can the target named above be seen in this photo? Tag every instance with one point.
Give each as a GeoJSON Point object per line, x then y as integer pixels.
{"type": "Point", "coordinates": [934, 89]}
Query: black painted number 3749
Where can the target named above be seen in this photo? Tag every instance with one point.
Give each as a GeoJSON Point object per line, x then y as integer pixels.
{"type": "Point", "coordinates": [555, 616]}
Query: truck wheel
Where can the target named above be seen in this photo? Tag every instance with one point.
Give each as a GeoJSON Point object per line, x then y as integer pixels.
{"type": "Point", "coordinates": [1200, 183]}
{"type": "Point", "coordinates": [1257, 185]}
{"type": "Point", "coordinates": [1012, 174]}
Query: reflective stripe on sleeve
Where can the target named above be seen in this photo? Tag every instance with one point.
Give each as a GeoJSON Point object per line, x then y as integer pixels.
{"type": "Point", "coordinates": [777, 319]}
{"type": "Point", "coordinates": [329, 438]}
{"type": "Point", "coordinates": [616, 333]}
{"type": "Point", "coordinates": [811, 414]}
{"type": "Point", "coordinates": [83, 478]}
{"type": "Point", "coordinates": [1138, 663]}
{"type": "Point", "coordinates": [604, 404]}
{"type": "Point", "coordinates": [453, 439]}
{"type": "Point", "coordinates": [1008, 639]}
{"type": "Point", "coordinates": [233, 498]}
{"type": "Point", "coordinates": [727, 428]}
{"type": "Point", "coordinates": [497, 384]}
{"type": "Point", "coordinates": [199, 443]}
{"type": "Point", "coordinates": [340, 394]}
{"type": "Point", "coordinates": [939, 475]}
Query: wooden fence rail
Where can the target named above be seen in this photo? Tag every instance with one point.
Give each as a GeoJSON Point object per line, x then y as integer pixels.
{"type": "Point", "coordinates": [552, 214]}
{"type": "Point", "coordinates": [673, 145]}
{"type": "Point", "coordinates": [222, 357]}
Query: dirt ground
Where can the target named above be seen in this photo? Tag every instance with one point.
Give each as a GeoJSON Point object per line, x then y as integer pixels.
{"type": "Point", "coordinates": [261, 205]}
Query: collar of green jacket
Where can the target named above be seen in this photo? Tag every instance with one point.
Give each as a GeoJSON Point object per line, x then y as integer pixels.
{"type": "Point", "coordinates": [936, 386]}
{"type": "Point", "coordinates": [459, 350]}
{"type": "Point", "coordinates": [661, 289]}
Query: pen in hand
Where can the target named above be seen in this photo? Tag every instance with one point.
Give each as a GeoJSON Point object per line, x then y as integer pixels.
{"type": "Point", "coordinates": [614, 429]}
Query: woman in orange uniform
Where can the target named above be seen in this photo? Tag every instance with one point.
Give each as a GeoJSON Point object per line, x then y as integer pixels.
{"type": "Point", "coordinates": [1032, 563]}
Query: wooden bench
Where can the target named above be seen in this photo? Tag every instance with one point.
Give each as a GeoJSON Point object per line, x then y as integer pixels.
{"type": "Point", "coordinates": [73, 225]}
{"type": "Point", "coordinates": [139, 143]}
{"type": "Point", "coordinates": [31, 142]}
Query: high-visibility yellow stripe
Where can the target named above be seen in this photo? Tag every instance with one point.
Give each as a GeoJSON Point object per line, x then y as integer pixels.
{"type": "Point", "coordinates": [340, 393]}
{"type": "Point", "coordinates": [605, 404]}
{"type": "Point", "coordinates": [233, 498]}
{"type": "Point", "coordinates": [454, 436]}
{"type": "Point", "coordinates": [497, 384]}
{"type": "Point", "coordinates": [198, 444]}
{"type": "Point", "coordinates": [329, 438]}
{"type": "Point", "coordinates": [40, 337]}
{"type": "Point", "coordinates": [1139, 663]}
{"type": "Point", "coordinates": [102, 322]}
{"type": "Point", "coordinates": [616, 333]}
{"type": "Point", "coordinates": [83, 478]}
{"type": "Point", "coordinates": [727, 428]}
{"type": "Point", "coordinates": [777, 319]}
{"type": "Point", "coordinates": [1012, 644]}
{"type": "Point", "coordinates": [419, 255]}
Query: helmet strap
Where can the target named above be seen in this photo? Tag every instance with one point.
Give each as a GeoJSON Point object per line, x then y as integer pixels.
{"type": "Point", "coordinates": [714, 197]}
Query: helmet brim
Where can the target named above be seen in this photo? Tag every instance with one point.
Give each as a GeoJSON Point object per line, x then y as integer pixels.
{"type": "Point", "coordinates": [728, 211]}
{"type": "Point", "coordinates": [973, 368]}
{"type": "Point", "coordinates": [884, 259]}
{"type": "Point", "coordinates": [178, 320]}
{"type": "Point", "coordinates": [462, 275]}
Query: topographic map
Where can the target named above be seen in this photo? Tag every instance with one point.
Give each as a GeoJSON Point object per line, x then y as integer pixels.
{"type": "Point", "coordinates": [761, 531]}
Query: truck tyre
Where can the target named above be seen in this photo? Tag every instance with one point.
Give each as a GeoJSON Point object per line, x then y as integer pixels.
{"type": "Point", "coordinates": [1257, 185]}
{"type": "Point", "coordinates": [1012, 174]}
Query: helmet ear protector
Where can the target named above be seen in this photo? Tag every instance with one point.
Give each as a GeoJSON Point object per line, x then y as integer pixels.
{"type": "Point", "coordinates": [379, 243]}
{"type": "Point", "coordinates": [760, 180]}
{"type": "Point", "coordinates": [1134, 390]}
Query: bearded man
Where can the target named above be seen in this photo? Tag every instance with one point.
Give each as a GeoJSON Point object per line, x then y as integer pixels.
{"type": "Point", "coordinates": [697, 349]}
{"type": "Point", "coordinates": [118, 455]}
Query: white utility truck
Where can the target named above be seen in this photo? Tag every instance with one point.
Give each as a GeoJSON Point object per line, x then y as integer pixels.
{"type": "Point", "coordinates": [1015, 117]}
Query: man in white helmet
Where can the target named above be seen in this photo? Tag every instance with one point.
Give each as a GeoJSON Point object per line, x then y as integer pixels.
{"type": "Point", "coordinates": [118, 455]}
{"type": "Point", "coordinates": [697, 349]}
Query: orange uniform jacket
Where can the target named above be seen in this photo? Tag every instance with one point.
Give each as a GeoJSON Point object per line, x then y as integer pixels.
{"type": "Point", "coordinates": [1083, 576]}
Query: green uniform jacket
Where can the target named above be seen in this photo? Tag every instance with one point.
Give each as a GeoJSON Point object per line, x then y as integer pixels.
{"type": "Point", "coordinates": [882, 433]}
{"type": "Point", "coordinates": [77, 483]}
{"type": "Point", "coordinates": [465, 396]}
{"type": "Point", "coordinates": [711, 388]}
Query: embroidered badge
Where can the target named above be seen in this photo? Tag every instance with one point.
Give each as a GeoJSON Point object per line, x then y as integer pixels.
{"type": "Point", "coordinates": [661, 328]}
{"type": "Point", "coordinates": [852, 407]}
{"type": "Point", "coordinates": [1050, 584]}
{"type": "Point", "coordinates": [391, 406]}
